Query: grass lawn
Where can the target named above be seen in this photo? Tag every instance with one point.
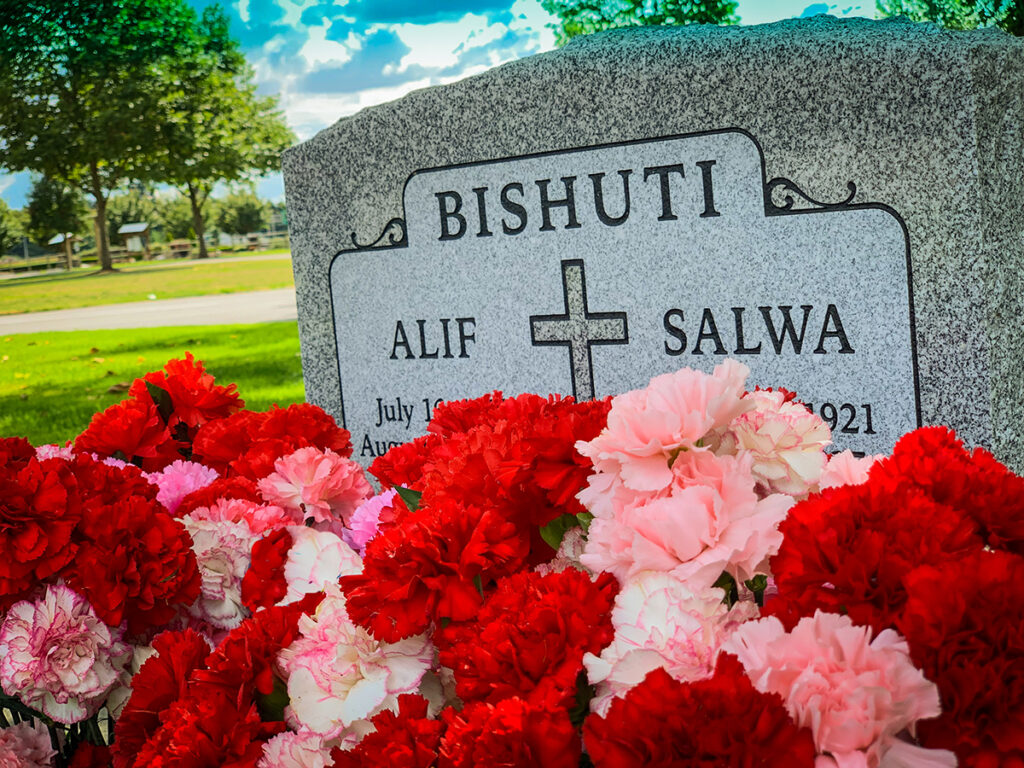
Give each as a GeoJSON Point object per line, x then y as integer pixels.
{"type": "Point", "coordinates": [139, 282]}
{"type": "Point", "coordinates": [52, 383]}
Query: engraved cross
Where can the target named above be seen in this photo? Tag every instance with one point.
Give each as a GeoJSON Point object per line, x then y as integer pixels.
{"type": "Point", "coordinates": [578, 329]}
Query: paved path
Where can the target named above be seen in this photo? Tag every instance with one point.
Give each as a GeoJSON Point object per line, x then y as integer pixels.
{"type": "Point", "coordinates": [217, 309]}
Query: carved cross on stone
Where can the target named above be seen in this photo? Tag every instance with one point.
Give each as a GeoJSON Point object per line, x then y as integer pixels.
{"type": "Point", "coordinates": [578, 329]}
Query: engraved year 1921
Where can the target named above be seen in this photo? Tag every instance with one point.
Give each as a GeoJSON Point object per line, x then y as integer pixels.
{"type": "Point", "coordinates": [846, 414]}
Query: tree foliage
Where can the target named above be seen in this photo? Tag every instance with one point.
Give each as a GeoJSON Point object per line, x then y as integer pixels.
{"type": "Point", "coordinates": [1008, 15]}
{"type": "Point", "coordinates": [214, 126]}
{"type": "Point", "coordinates": [127, 207]}
{"type": "Point", "coordinates": [582, 17]}
{"type": "Point", "coordinates": [80, 87]}
{"type": "Point", "coordinates": [12, 227]}
{"type": "Point", "coordinates": [241, 213]}
{"type": "Point", "coordinates": [54, 208]}
{"type": "Point", "coordinates": [174, 217]}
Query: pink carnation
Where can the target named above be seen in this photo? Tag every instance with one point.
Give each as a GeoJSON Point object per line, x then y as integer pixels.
{"type": "Point", "coordinates": [855, 694]}
{"type": "Point", "coordinates": [339, 676]}
{"type": "Point", "coordinates": [712, 520]}
{"type": "Point", "coordinates": [648, 428]}
{"type": "Point", "coordinates": [319, 484]}
{"type": "Point", "coordinates": [58, 657]}
{"type": "Point", "coordinates": [295, 750]}
{"type": "Point", "coordinates": [369, 516]}
{"type": "Point", "coordinates": [26, 745]}
{"type": "Point", "coordinates": [53, 451]}
{"type": "Point", "coordinates": [178, 479]}
{"type": "Point", "coordinates": [223, 550]}
{"type": "Point", "coordinates": [260, 518]}
{"type": "Point", "coordinates": [316, 559]}
{"type": "Point", "coordinates": [660, 622]}
{"type": "Point", "coordinates": [786, 441]}
{"type": "Point", "coordinates": [846, 469]}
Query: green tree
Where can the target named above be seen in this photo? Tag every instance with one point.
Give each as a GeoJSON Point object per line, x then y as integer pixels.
{"type": "Point", "coordinates": [12, 227]}
{"type": "Point", "coordinates": [215, 127]}
{"type": "Point", "coordinates": [54, 208]}
{"type": "Point", "coordinates": [174, 217]}
{"type": "Point", "coordinates": [81, 85]}
{"type": "Point", "coordinates": [241, 212]}
{"type": "Point", "coordinates": [1008, 15]}
{"type": "Point", "coordinates": [582, 17]}
{"type": "Point", "coordinates": [129, 206]}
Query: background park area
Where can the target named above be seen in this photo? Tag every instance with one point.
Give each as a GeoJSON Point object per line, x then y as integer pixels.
{"type": "Point", "coordinates": [140, 145]}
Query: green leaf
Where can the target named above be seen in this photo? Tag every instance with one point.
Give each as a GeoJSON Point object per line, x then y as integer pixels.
{"type": "Point", "coordinates": [584, 693]}
{"type": "Point", "coordinates": [479, 584]}
{"type": "Point", "coordinates": [728, 583]}
{"type": "Point", "coordinates": [410, 497]}
{"type": "Point", "coordinates": [271, 707]}
{"type": "Point", "coordinates": [162, 401]}
{"type": "Point", "coordinates": [553, 532]}
{"type": "Point", "coordinates": [585, 519]}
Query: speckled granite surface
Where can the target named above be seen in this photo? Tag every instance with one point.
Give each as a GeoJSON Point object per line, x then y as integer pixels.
{"type": "Point", "coordinates": [926, 121]}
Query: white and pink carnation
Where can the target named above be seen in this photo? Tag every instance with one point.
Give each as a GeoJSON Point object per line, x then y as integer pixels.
{"type": "Point", "coordinates": [368, 517]}
{"type": "Point", "coordinates": [318, 484]}
{"type": "Point", "coordinates": [295, 750]}
{"type": "Point", "coordinates": [660, 622]}
{"type": "Point", "coordinates": [339, 676]}
{"type": "Point", "coordinates": [854, 693]}
{"type": "Point", "coordinates": [846, 469]}
{"type": "Point", "coordinates": [710, 520]}
{"type": "Point", "coordinates": [58, 657]}
{"type": "Point", "coordinates": [648, 428]}
{"type": "Point", "coordinates": [223, 551]}
{"type": "Point", "coordinates": [259, 518]}
{"type": "Point", "coordinates": [786, 441]}
{"type": "Point", "coordinates": [178, 479]}
{"type": "Point", "coordinates": [316, 559]}
{"type": "Point", "coordinates": [26, 745]}
{"type": "Point", "coordinates": [568, 555]}
{"type": "Point", "coordinates": [54, 451]}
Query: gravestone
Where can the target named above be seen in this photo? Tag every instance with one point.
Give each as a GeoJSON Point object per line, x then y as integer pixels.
{"type": "Point", "coordinates": [835, 203]}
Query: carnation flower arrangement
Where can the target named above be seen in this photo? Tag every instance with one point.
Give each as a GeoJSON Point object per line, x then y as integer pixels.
{"type": "Point", "coordinates": [678, 576]}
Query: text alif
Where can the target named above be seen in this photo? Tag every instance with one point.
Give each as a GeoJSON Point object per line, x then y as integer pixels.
{"type": "Point", "coordinates": [569, 201]}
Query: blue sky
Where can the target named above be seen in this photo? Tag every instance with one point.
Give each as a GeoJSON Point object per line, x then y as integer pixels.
{"type": "Point", "coordinates": [330, 58]}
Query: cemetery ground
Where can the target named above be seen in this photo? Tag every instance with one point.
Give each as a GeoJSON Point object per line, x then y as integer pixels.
{"type": "Point", "coordinates": [52, 383]}
{"type": "Point", "coordinates": [142, 281]}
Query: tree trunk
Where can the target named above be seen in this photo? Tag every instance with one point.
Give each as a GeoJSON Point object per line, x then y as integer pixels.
{"type": "Point", "coordinates": [197, 219]}
{"type": "Point", "coordinates": [102, 242]}
{"type": "Point", "coordinates": [67, 252]}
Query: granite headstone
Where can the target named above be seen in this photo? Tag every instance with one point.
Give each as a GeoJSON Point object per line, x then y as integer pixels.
{"type": "Point", "coordinates": [836, 203]}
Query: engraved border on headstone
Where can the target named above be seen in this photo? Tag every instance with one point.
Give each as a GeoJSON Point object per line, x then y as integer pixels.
{"type": "Point", "coordinates": [395, 235]}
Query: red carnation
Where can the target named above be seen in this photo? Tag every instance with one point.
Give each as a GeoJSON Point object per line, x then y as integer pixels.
{"type": "Point", "coordinates": [264, 583]}
{"type": "Point", "coordinates": [509, 734]}
{"type": "Point", "coordinates": [88, 755]}
{"type": "Point", "coordinates": [849, 549]}
{"type": "Point", "coordinates": [530, 638]}
{"type": "Point", "coordinates": [405, 740]}
{"type": "Point", "coordinates": [101, 484]}
{"type": "Point", "coordinates": [431, 567]}
{"type": "Point", "coordinates": [965, 629]}
{"type": "Point", "coordinates": [935, 460]}
{"type": "Point", "coordinates": [39, 509]}
{"type": "Point", "coordinates": [662, 723]}
{"type": "Point", "coordinates": [162, 680]}
{"type": "Point", "coordinates": [248, 443]}
{"type": "Point", "coordinates": [221, 488]}
{"type": "Point", "coordinates": [135, 563]}
{"type": "Point", "coordinates": [195, 398]}
{"type": "Point", "coordinates": [225, 714]}
{"type": "Point", "coordinates": [403, 465]}
{"type": "Point", "coordinates": [15, 453]}
{"type": "Point", "coordinates": [133, 431]}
